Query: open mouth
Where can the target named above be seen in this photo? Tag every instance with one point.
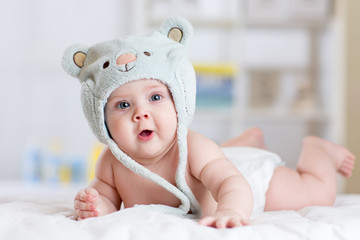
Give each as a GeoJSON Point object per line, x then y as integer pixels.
{"type": "Point", "coordinates": [145, 135]}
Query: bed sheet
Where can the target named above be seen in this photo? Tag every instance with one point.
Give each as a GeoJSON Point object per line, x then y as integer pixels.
{"type": "Point", "coordinates": [52, 218]}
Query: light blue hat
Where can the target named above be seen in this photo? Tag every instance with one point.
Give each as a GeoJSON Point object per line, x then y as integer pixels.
{"type": "Point", "coordinates": [162, 56]}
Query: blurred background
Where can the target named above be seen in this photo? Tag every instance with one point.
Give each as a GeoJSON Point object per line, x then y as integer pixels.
{"type": "Point", "coordinates": [289, 67]}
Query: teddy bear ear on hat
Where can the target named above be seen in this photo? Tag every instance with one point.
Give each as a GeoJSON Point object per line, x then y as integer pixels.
{"type": "Point", "coordinates": [74, 58]}
{"type": "Point", "coordinates": [177, 29]}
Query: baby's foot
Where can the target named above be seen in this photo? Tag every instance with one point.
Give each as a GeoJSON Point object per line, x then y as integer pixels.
{"type": "Point", "coordinates": [250, 138]}
{"type": "Point", "coordinates": [347, 166]}
{"type": "Point", "coordinates": [344, 160]}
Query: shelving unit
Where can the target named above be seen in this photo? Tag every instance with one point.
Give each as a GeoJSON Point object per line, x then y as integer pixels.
{"type": "Point", "coordinates": [284, 85]}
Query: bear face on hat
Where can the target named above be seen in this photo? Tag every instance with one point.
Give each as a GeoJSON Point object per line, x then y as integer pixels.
{"type": "Point", "coordinates": [105, 66]}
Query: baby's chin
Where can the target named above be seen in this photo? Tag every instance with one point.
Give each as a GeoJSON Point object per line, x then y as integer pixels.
{"type": "Point", "coordinates": [151, 151]}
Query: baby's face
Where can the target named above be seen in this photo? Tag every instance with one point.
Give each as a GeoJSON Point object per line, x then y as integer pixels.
{"type": "Point", "coordinates": [141, 118]}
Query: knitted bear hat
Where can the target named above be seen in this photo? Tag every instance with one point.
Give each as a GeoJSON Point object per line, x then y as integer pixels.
{"type": "Point", "coordinates": [101, 69]}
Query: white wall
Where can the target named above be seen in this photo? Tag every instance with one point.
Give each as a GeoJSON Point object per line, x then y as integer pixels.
{"type": "Point", "coordinates": [39, 102]}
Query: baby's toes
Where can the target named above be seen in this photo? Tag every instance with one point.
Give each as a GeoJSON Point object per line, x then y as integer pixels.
{"type": "Point", "coordinates": [345, 172]}
{"type": "Point", "coordinates": [347, 167]}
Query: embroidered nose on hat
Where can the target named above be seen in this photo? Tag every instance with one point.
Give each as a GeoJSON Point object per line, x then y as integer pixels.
{"type": "Point", "coordinates": [126, 62]}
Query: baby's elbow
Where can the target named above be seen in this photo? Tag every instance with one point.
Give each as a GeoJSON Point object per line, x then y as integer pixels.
{"type": "Point", "coordinates": [235, 183]}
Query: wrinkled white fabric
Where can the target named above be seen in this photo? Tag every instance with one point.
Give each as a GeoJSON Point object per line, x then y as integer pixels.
{"type": "Point", "coordinates": [50, 218]}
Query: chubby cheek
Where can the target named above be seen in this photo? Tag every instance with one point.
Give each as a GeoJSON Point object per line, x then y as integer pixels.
{"type": "Point", "coordinates": [122, 139]}
{"type": "Point", "coordinates": [117, 130]}
{"type": "Point", "coordinates": [169, 123]}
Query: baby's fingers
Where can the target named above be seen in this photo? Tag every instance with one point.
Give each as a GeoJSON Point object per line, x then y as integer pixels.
{"type": "Point", "coordinates": [87, 195]}
{"type": "Point", "coordinates": [80, 195]}
{"type": "Point", "coordinates": [222, 222]}
{"type": "Point", "coordinates": [86, 214]}
{"type": "Point", "coordinates": [228, 222]}
{"type": "Point", "coordinates": [208, 221]}
{"type": "Point", "coordinates": [84, 206]}
{"type": "Point", "coordinates": [91, 191]}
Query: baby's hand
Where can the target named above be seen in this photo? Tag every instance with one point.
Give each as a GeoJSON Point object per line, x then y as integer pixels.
{"type": "Point", "coordinates": [224, 219]}
{"type": "Point", "coordinates": [87, 203]}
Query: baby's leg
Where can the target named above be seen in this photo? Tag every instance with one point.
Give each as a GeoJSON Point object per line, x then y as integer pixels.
{"type": "Point", "coordinates": [250, 138]}
{"type": "Point", "coordinates": [314, 181]}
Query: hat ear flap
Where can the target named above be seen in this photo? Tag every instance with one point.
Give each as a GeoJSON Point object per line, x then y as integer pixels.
{"type": "Point", "coordinates": [74, 58]}
{"type": "Point", "coordinates": [177, 29]}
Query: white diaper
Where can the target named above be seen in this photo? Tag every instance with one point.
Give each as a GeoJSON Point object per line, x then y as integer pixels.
{"type": "Point", "coordinates": [257, 166]}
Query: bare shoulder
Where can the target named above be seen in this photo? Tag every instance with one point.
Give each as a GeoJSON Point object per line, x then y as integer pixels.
{"type": "Point", "coordinates": [105, 158]}
{"type": "Point", "coordinates": [201, 151]}
{"type": "Point", "coordinates": [197, 141]}
{"type": "Point", "coordinates": [104, 167]}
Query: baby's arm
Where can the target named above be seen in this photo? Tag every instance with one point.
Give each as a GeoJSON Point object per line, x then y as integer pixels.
{"type": "Point", "coordinates": [101, 196]}
{"type": "Point", "coordinates": [227, 185]}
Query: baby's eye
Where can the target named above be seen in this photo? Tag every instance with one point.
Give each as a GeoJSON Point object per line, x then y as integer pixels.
{"type": "Point", "coordinates": [123, 105]}
{"type": "Point", "coordinates": [155, 97]}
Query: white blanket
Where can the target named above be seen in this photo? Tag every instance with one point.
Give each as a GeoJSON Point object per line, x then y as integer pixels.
{"type": "Point", "coordinates": [52, 218]}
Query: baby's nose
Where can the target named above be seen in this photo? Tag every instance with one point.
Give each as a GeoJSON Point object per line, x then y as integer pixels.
{"type": "Point", "coordinates": [125, 59]}
{"type": "Point", "coordinates": [141, 116]}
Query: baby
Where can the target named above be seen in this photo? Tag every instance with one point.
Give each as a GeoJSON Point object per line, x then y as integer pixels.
{"type": "Point", "coordinates": [138, 96]}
